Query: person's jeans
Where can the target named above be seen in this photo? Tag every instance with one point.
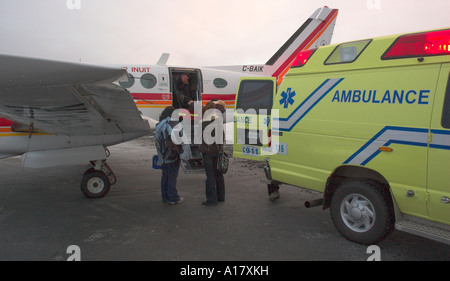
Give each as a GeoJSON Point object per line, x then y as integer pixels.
{"type": "Point", "coordinates": [215, 183]}
{"type": "Point", "coordinates": [169, 182]}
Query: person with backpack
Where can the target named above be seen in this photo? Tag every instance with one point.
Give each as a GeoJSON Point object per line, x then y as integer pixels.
{"type": "Point", "coordinates": [168, 157]}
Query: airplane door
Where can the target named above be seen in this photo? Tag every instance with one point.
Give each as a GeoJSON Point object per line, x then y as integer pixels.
{"type": "Point", "coordinates": [182, 91]}
{"type": "Point", "coordinates": [439, 152]}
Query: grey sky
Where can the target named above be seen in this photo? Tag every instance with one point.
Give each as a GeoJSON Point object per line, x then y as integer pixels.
{"type": "Point", "coordinates": [195, 32]}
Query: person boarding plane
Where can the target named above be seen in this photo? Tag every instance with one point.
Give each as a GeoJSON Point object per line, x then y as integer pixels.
{"type": "Point", "coordinates": [56, 113]}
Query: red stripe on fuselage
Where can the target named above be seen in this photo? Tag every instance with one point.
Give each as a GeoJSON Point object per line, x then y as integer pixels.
{"type": "Point", "coordinates": [5, 122]}
{"type": "Point", "coordinates": [168, 96]}
{"type": "Point", "coordinates": [218, 96]}
{"type": "Point", "coordinates": [152, 96]}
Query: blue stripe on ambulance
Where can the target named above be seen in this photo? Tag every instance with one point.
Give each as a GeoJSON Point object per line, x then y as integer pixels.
{"type": "Point", "coordinates": [398, 135]}
{"type": "Point", "coordinates": [441, 139]}
{"type": "Point", "coordinates": [286, 124]}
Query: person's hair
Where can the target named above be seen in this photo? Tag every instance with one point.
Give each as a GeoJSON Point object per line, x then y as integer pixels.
{"type": "Point", "coordinates": [209, 105]}
{"type": "Point", "coordinates": [217, 104]}
{"type": "Point", "coordinates": [167, 112]}
{"type": "Point", "coordinates": [221, 105]}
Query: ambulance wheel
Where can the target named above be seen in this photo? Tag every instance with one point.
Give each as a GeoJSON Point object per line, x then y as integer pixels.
{"type": "Point", "coordinates": [361, 212]}
{"type": "Point", "coordinates": [95, 184]}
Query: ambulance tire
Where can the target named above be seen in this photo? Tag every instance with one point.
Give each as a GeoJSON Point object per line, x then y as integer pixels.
{"type": "Point", "coordinates": [361, 211]}
{"type": "Point", "coordinates": [95, 184]}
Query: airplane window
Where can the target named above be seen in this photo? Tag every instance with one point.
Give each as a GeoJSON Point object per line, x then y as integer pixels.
{"type": "Point", "coordinates": [148, 80]}
{"type": "Point", "coordinates": [129, 83]}
{"type": "Point", "coordinates": [220, 83]}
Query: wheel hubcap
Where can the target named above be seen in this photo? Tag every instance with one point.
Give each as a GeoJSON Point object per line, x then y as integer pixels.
{"type": "Point", "coordinates": [95, 185]}
{"type": "Point", "coordinates": [358, 213]}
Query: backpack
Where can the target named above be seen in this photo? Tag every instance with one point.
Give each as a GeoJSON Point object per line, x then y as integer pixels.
{"type": "Point", "coordinates": [167, 149]}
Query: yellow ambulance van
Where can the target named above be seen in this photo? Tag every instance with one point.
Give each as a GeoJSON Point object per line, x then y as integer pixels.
{"type": "Point", "coordinates": [367, 123]}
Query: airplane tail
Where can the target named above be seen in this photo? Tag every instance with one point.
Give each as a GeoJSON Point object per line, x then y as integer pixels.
{"type": "Point", "coordinates": [316, 31]}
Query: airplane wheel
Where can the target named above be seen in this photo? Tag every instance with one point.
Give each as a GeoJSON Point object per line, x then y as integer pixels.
{"type": "Point", "coordinates": [95, 184]}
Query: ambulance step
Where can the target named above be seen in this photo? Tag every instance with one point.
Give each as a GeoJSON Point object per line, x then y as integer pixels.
{"type": "Point", "coordinates": [427, 231]}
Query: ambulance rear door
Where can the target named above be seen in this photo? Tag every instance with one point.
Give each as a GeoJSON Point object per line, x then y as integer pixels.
{"type": "Point", "coordinates": [252, 117]}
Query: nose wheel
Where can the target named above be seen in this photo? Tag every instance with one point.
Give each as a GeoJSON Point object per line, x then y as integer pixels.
{"type": "Point", "coordinates": [97, 181]}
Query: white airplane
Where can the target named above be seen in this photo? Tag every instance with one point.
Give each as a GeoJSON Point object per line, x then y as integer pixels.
{"type": "Point", "coordinates": [56, 113]}
{"type": "Point", "coordinates": [154, 87]}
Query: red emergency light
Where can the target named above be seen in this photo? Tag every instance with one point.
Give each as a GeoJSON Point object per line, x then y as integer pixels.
{"type": "Point", "coordinates": [302, 58]}
{"type": "Point", "coordinates": [433, 43]}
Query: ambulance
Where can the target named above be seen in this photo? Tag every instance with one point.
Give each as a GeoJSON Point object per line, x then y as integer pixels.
{"type": "Point", "coordinates": [367, 124]}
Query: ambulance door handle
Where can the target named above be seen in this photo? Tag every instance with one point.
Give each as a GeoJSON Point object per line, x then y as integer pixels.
{"type": "Point", "coordinates": [445, 200]}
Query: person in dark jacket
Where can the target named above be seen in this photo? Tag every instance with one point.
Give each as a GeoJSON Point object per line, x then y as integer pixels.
{"type": "Point", "coordinates": [183, 92]}
{"type": "Point", "coordinates": [215, 183]}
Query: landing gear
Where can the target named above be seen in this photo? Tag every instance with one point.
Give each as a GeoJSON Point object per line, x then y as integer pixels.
{"type": "Point", "coordinates": [97, 181]}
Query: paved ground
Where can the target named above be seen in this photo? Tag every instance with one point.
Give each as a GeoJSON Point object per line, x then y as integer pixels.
{"type": "Point", "coordinates": [43, 212]}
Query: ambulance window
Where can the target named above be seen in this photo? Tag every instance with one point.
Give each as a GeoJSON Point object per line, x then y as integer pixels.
{"type": "Point", "coordinates": [128, 83]}
{"type": "Point", "coordinates": [255, 94]}
{"type": "Point", "coordinates": [347, 52]}
{"type": "Point", "coordinates": [148, 80]}
{"type": "Point", "coordinates": [446, 114]}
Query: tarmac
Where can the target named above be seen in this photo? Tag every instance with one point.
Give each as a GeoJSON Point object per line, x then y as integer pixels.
{"type": "Point", "coordinates": [43, 213]}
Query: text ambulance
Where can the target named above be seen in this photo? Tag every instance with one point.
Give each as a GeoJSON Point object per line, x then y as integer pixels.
{"type": "Point", "coordinates": [368, 124]}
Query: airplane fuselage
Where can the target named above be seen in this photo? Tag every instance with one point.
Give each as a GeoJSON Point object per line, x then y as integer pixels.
{"type": "Point", "coordinates": [154, 87]}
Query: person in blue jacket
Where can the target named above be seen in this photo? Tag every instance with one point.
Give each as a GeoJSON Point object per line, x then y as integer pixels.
{"type": "Point", "coordinates": [168, 157]}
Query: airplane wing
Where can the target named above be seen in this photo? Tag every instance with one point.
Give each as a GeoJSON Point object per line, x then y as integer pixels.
{"type": "Point", "coordinates": [68, 98]}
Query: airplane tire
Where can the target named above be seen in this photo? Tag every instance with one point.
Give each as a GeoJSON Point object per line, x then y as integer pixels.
{"type": "Point", "coordinates": [95, 184]}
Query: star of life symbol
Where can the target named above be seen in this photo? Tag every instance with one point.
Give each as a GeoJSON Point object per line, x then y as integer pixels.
{"type": "Point", "coordinates": [287, 98]}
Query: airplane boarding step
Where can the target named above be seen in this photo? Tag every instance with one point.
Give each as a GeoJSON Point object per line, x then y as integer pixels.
{"type": "Point", "coordinates": [427, 231]}
{"type": "Point", "coordinates": [192, 166]}
{"type": "Point", "coordinates": [191, 159]}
